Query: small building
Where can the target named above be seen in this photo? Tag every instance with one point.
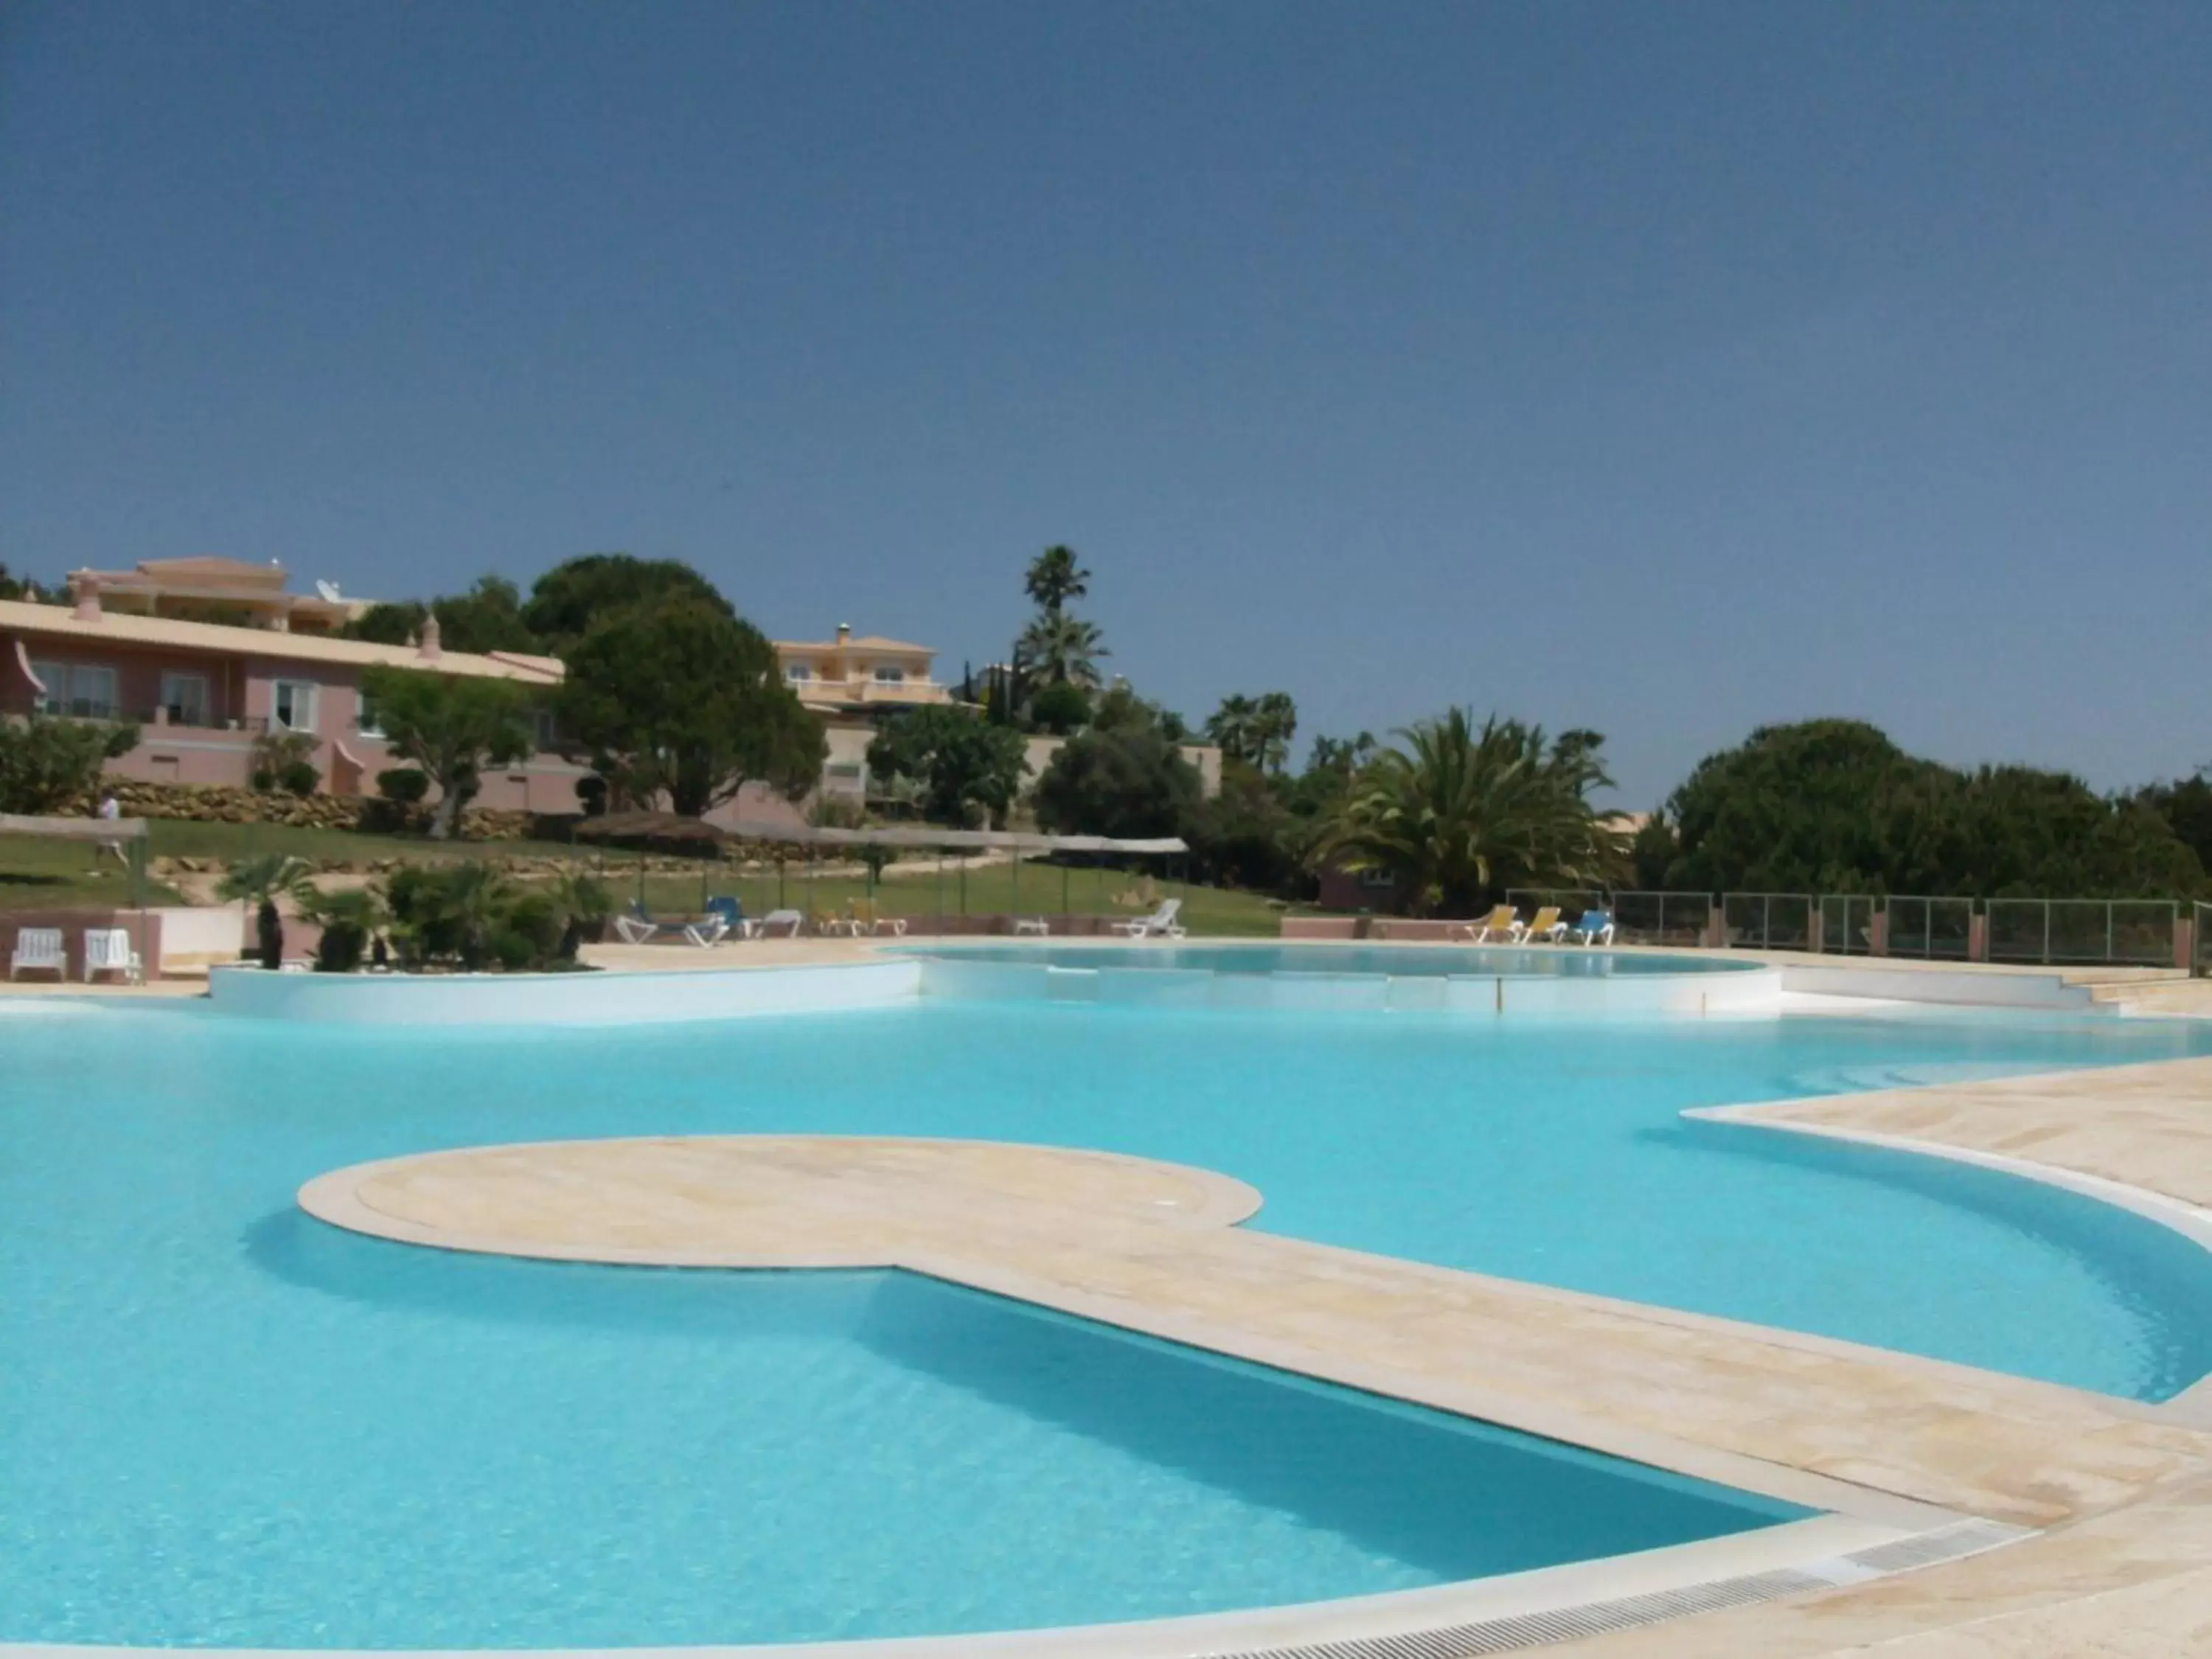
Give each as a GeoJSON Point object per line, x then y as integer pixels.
{"type": "Point", "coordinates": [852, 683]}
{"type": "Point", "coordinates": [202, 692]}
{"type": "Point", "coordinates": [232, 592]}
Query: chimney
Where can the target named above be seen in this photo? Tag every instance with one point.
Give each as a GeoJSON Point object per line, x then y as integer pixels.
{"type": "Point", "coordinates": [429, 650]}
{"type": "Point", "coordinates": [87, 588]}
{"type": "Point", "coordinates": [844, 632]}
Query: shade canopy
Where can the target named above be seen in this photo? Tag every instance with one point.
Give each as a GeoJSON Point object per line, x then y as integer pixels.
{"type": "Point", "coordinates": [924, 835]}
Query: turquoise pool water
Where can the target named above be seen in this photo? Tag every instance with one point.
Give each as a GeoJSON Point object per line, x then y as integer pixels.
{"type": "Point", "coordinates": [222, 1423]}
{"type": "Point", "coordinates": [1552, 961]}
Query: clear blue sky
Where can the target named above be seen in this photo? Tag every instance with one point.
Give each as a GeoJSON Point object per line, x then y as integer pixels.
{"type": "Point", "coordinates": [1661, 369]}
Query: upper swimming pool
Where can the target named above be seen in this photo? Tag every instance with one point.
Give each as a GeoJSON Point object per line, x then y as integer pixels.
{"type": "Point", "coordinates": [225, 1423]}
{"type": "Point", "coordinates": [1398, 961]}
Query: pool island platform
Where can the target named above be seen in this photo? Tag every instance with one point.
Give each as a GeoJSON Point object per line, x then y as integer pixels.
{"type": "Point", "coordinates": [2102, 1507]}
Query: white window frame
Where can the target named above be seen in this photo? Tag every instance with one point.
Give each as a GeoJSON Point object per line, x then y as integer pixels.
{"type": "Point", "coordinates": [889, 673]}
{"type": "Point", "coordinates": [365, 718]}
{"type": "Point", "coordinates": [172, 681]}
{"type": "Point", "coordinates": [308, 689]}
{"type": "Point", "coordinates": [797, 672]}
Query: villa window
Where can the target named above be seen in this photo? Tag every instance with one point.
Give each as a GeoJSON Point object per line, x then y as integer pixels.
{"type": "Point", "coordinates": [76, 689]}
{"type": "Point", "coordinates": [366, 720]}
{"type": "Point", "coordinates": [889, 674]}
{"type": "Point", "coordinates": [797, 673]}
{"type": "Point", "coordinates": [1377, 878]}
{"type": "Point", "coordinates": [292, 706]}
{"type": "Point", "coordinates": [54, 677]}
{"type": "Point", "coordinates": [185, 698]}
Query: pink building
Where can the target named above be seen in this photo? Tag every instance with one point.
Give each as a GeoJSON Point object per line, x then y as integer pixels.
{"type": "Point", "coordinates": [203, 691]}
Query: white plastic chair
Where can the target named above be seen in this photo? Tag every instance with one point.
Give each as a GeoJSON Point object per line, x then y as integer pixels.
{"type": "Point", "coordinates": [1037, 925]}
{"type": "Point", "coordinates": [108, 951]}
{"type": "Point", "coordinates": [1161, 924]}
{"type": "Point", "coordinates": [39, 950]}
{"type": "Point", "coordinates": [636, 930]}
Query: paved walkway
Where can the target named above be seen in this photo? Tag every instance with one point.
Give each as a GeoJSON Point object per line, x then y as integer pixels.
{"type": "Point", "coordinates": [2122, 1493]}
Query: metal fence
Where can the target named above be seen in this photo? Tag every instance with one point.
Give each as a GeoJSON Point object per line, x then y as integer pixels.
{"type": "Point", "coordinates": [1770, 921]}
{"type": "Point", "coordinates": [1661, 918]}
{"type": "Point", "coordinates": [2119, 931]}
{"type": "Point", "coordinates": [1935, 929]}
{"type": "Point", "coordinates": [1847, 924]}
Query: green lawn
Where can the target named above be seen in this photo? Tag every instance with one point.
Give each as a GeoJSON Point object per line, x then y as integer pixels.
{"type": "Point", "coordinates": [38, 873]}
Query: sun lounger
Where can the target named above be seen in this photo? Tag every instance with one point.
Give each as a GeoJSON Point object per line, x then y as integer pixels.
{"type": "Point", "coordinates": [108, 951]}
{"type": "Point", "coordinates": [711, 929]}
{"type": "Point", "coordinates": [38, 950]}
{"type": "Point", "coordinates": [1547, 927]}
{"type": "Point", "coordinates": [1039, 926]}
{"type": "Point", "coordinates": [1595, 928]}
{"type": "Point", "coordinates": [636, 930]}
{"type": "Point", "coordinates": [895, 926]}
{"type": "Point", "coordinates": [1502, 922]}
{"type": "Point", "coordinates": [1161, 924]}
{"type": "Point", "coordinates": [792, 921]}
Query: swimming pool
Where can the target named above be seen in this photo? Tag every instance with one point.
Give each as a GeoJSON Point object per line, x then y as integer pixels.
{"type": "Point", "coordinates": [1398, 961]}
{"type": "Point", "coordinates": [223, 1423]}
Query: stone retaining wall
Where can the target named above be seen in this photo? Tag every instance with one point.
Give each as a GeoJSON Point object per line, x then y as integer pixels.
{"type": "Point", "coordinates": [222, 804]}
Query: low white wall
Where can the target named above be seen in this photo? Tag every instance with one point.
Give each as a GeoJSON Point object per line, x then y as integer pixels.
{"type": "Point", "coordinates": [1736, 991]}
{"type": "Point", "coordinates": [1987, 988]}
{"type": "Point", "coordinates": [200, 934]}
{"type": "Point", "coordinates": [578, 998]}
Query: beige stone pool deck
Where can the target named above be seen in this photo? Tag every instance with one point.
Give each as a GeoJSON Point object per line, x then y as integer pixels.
{"type": "Point", "coordinates": [2118, 1494]}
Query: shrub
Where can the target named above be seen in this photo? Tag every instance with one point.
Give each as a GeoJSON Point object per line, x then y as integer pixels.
{"type": "Point", "coordinates": [47, 763]}
{"type": "Point", "coordinates": [1060, 707]}
{"type": "Point", "coordinates": [285, 760]}
{"type": "Point", "coordinates": [403, 786]}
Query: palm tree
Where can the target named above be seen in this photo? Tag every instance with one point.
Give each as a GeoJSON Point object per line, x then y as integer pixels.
{"type": "Point", "coordinates": [1063, 648]}
{"type": "Point", "coordinates": [1458, 814]}
{"type": "Point", "coordinates": [261, 882]}
{"type": "Point", "coordinates": [1275, 722]}
{"type": "Point", "coordinates": [1054, 578]}
{"type": "Point", "coordinates": [1232, 728]}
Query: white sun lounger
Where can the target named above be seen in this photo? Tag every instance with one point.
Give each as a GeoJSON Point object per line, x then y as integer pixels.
{"type": "Point", "coordinates": [38, 950]}
{"type": "Point", "coordinates": [1161, 924]}
{"type": "Point", "coordinates": [710, 931]}
{"type": "Point", "coordinates": [636, 930]}
{"type": "Point", "coordinates": [108, 951]}
{"type": "Point", "coordinates": [790, 921]}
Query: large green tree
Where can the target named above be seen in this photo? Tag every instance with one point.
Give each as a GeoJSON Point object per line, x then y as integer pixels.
{"type": "Point", "coordinates": [1460, 812]}
{"type": "Point", "coordinates": [488, 618]}
{"type": "Point", "coordinates": [1835, 806]}
{"type": "Point", "coordinates": [966, 768]}
{"type": "Point", "coordinates": [48, 762]}
{"type": "Point", "coordinates": [1124, 780]}
{"type": "Point", "coordinates": [570, 599]}
{"type": "Point", "coordinates": [452, 726]}
{"type": "Point", "coordinates": [677, 697]}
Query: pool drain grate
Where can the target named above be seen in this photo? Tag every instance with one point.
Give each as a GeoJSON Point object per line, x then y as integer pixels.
{"type": "Point", "coordinates": [1951, 1543]}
